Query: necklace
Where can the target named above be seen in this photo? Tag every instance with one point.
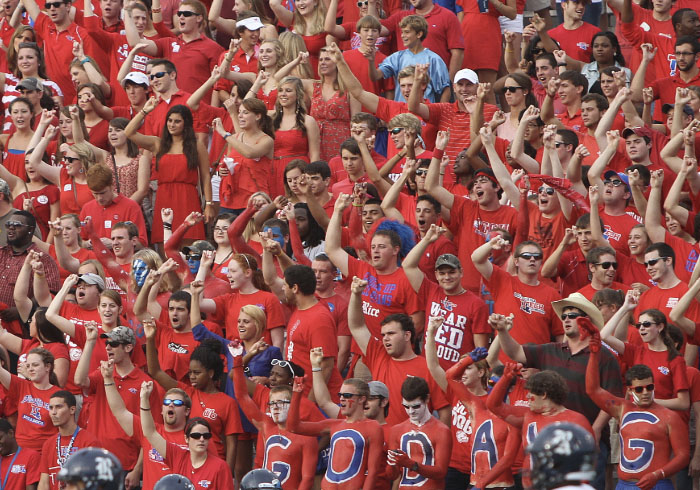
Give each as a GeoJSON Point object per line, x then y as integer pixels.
{"type": "Point", "coordinates": [62, 457]}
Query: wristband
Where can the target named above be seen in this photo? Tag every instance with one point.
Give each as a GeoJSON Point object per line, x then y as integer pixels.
{"type": "Point", "coordinates": [561, 64]}
{"type": "Point", "coordinates": [144, 112]}
{"type": "Point", "coordinates": [109, 384]}
{"type": "Point", "coordinates": [38, 273]}
{"type": "Point", "coordinates": [227, 135]}
{"type": "Point", "coordinates": [87, 59]}
{"type": "Point", "coordinates": [357, 205]}
{"type": "Point", "coordinates": [168, 226]}
{"type": "Point", "coordinates": [316, 370]}
{"type": "Point", "coordinates": [438, 153]}
{"type": "Point", "coordinates": [146, 409]}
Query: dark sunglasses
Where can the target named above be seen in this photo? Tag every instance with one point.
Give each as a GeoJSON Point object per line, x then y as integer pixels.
{"type": "Point", "coordinates": [160, 74]}
{"type": "Point", "coordinates": [646, 324]}
{"type": "Point", "coordinates": [396, 130]}
{"type": "Point", "coordinates": [572, 316]}
{"type": "Point", "coordinates": [537, 50]}
{"type": "Point", "coordinates": [530, 255]}
{"type": "Point", "coordinates": [549, 190]}
{"type": "Point", "coordinates": [48, 5]}
{"type": "Point", "coordinates": [512, 89]}
{"type": "Point", "coordinates": [653, 261]}
{"type": "Point", "coordinates": [176, 403]}
{"type": "Point", "coordinates": [607, 265]}
{"type": "Point", "coordinates": [201, 435]}
{"type": "Point", "coordinates": [15, 224]}
{"type": "Point", "coordinates": [422, 171]}
{"type": "Point", "coordinates": [346, 396]}
{"type": "Point", "coordinates": [186, 13]}
{"type": "Point", "coordinates": [558, 143]}
{"type": "Point", "coordinates": [414, 407]}
{"type": "Point", "coordinates": [614, 183]}
{"type": "Point", "coordinates": [113, 343]}
{"type": "Point", "coordinates": [194, 257]}
{"type": "Point", "coordinates": [70, 159]}
{"type": "Point", "coordinates": [640, 389]}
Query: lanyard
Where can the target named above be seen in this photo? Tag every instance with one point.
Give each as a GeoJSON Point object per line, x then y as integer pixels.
{"type": "Point", "coordinates": [61, 458]}
{"type": "Point", "coordinates": [9, 469]}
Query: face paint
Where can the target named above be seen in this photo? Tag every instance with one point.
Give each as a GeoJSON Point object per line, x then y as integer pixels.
{"type": "Point", "coordinates": [417, 411]}
{"type": "Point", "coordinates": [140, 270]}
{"type": "Point", "coordinates": [276, 234]}
{"type": "Point", "coordinates": [193, 264]}
{"type": "Point", "coordinates": [637, 399]}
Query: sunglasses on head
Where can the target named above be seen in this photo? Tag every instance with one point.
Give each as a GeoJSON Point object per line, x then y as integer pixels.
{"type": "Point", "coordinates": [160, 74]}
{"type": "Point", "coordinates": [572, 316]}
{"type": "Point", "coordinates": [362, 4]}
{"type": "Point", "coordinates": [641, 389]}
{"type": "Point", "coordinates": [48, 5]}
{"type": "Point", "coordinates": [70, 159]}
{"type": "Point", "coordinates": [614, 183]}
{"type": "Point", "coordinates": [653, 261]}
{"type": "Point", "coordinates": [646, 324]}
{"type": "Point", "coordinates": [15, 224]}
{"type": "Point", "coordinates": [549, 190]}
{"type": "Point", "coordinates": [200, 435]}
{"type": "Point", "coordinates": [531, 255]}
{"type": "Point", "coordinates": [512, 89]}
{"type": "Point", "coordinates": [346, 396]}
{"type": "Point", "coordinates": [176, 403]}
{"type": "Point", "coordinates": [283, 364]}
{"type": "Point", "coordinates": [396, 130]}
{"type": "Point", "coordinates": [607, 265]}
{"type": "Point", "coordinates": [411, 407]}
{"type": "Point", "coordinates": [113, 343]}
{"type": "Point", "coordinates": [186, 13]}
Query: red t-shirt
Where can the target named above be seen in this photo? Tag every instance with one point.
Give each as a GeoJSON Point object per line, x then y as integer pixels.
{"type": "Point", "coordinates": [82, 255]}
{"type": "Point", "coordinates": [220, 410]}
{"type": "Point", "coordinates": [393, 372]}
{"type": "Point", "coordinates": [49, 454]}
{"type": "Point", "coordinates": [427, 444]}
{"type": "Point", "coordinates": [465, 315]}
{"type": "Point", "coordinates": [669, 376]}
{"type": "Point", "coordinates": [617, 230]}
{"type": "Point", "coordinates": [535, 320]}
{"type": "Point", "coordinates": [439, 247]}
{"type": "Point", "coordinates": [338, 306]}
{"type": "Point", "coordinates": [34, 424]}
{"type": "Point", "coordinates": [174, 350]}
{"type": "Point", "coordinates": [588, 291]}
{"type": "Point", "coordinates": [387, 109]}
{"type": "Point", "coordinates": [307, 329]}
{"type": "Point", "coordinates": [548, 232]}
{"type": "Point", "coordinates": [470, 225]}
{"type": "Point", "coordinates": [121, 209]}
{"type": "Point", "coordinates": [213, 474]}
{"type": "Point", "coordinates": [229, 305]}
{"type": "Point", "coordinates": [24, 471]}
{"type": "Point", "coordinates": [58, 349]}
{"type": "Point", "coordinates": [360, 68]}
{"type": "Point", "coordinates": [384, 295]}
{"type": "Point", "coordinates": [576, 42]}
{"type": "Point", "coordinates": [68, 196]}
{"type": "Point", "coordinates": [664, 300]}
{"type": "Point", "coordinates": [461, 429]}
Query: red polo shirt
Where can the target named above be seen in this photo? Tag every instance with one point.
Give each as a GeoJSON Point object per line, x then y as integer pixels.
{"type": "Point", "coordinates": [121, 209]}
{"type": "Point", "coordinates": [574, 122]}
{"type": "Point", "coordinates": [155, 120]}
{"type": "Point", "coordinates": [665, 90]}
{"type": "Point", "coordinates": [194, 60]}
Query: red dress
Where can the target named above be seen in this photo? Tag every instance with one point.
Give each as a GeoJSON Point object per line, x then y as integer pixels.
{"type": "Point", "coordinates": [13, 160]}
{"type": "Point", "coordinates": [269, 99]}
{"type": "Point", "coordinates": [289, 145]}
{"type": "Point", "coordinates": [313, 45]}
{"type": "Point", "coordinates": [482, 37]}
{"type": "Point", "coordinates": [177, 189]}
{"type": "Point", "coordinates": [98, 134]}
{"type": "Point", "coordinates": [333, 118]}
{"type": "Point", "coordinates": [250, 175]}
{"type": "Point", "coordinates": [43, 199]}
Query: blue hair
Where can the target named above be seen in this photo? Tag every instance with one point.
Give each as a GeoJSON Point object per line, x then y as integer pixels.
{"type": "Point", "coordinates": [405, 233]}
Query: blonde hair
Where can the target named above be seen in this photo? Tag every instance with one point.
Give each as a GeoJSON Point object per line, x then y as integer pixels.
{"type": "Point", "coordinates": [338, 81]}
{"type": "Point", "coordinates": [98, 267]}
{"type": "Point", "coordinates": [258, 316]}
{"type": "Point", "coordinates": [317, 19]}
{"type": "Point", "coordinates": [405, 120]}
{"type": "Point", "coordinates": [85, 154]}
{"type": "Point", "coordinates": [293, 44]}
{"type": "Point", "coordinates": [279, 51]}
{"type": "Point", "coordinates": [75, 219]}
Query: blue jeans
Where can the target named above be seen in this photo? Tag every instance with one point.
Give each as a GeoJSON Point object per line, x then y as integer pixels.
{"type": "Point", "coordinates": [660, 485]}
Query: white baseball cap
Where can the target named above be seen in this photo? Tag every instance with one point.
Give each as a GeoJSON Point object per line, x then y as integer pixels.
{"type": "Point", "coordinates": [136, 77]}
{"type": "Point", "coordinates": [466, 74]}
{"type": "Point", "coordinates": [251, 23]}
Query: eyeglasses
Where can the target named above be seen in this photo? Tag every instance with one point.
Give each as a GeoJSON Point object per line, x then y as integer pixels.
{"type": "Point", "coordinates": [412, 407]}
{"type": "Point", "coordinates": [186, 13]}
{"type": "Point", "coordinates": [684, 53]}
{"type": "Point", "coordinates": [396, 130]}
{"type": "Point", "coordinates": [70, 159]}
{"type": "Point", "coordinates": [160, 74]}
{"type": "Point", "coordinates": [572, 316]}
{"type": "Point", "coordinates": [176, 403]}
{"type": "Point", "coordinates": [512, 89]}
{"type": "Point", "coordinates": [200, 435]}
{"type": "Point", "coordinates": [375, 397]}
{"type": "Point", "coordinates": [614, 183]}
{"type": "Point", "coordinates": [49, 5]}
{"type": "Point", "coordinates": [113, 343]}
{"type": "Point", "coordinates": [646, 324]}
{"type": "Point", "coordinates": [221, 228]}
{"type": "Point", "coordinates": [549, 190]}
{"type": "Point", "coordinates": [278, 403]}
{"type": "Point", "coordinates": [15, 224]}
{"type": "Point", "coordinates": [653, 261]}
{"type": "Point", "coordinates": [422, 172]}
{"type": "Point", "coordinates": [346, 396]}
{"type": "Point", "coordinates": [558, 143]}
{"type": "Point", "coordinates": [607, 265]}
{"type": "Point", "coordinates": [641, 389]}
{"type": "Point", "coordinates": [281, 363]}
{"type": "Point", "coordinates": [531, 255]}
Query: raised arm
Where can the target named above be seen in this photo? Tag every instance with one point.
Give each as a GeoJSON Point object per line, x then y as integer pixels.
{"type": "Point", "coordinates": [653, 219]}
{"type": "Point", "coordinates": [677, 313]}
{"type": "Point", "coordinates": [480, 256]}
{"type": "Point", "coordinates": [49, 172]}
{"type": "Point", "coordinates": [52, 313]}
{"type": "Point", "coordinates": [148, 427]}
{"type": "Point", "coordinates": [81, 376]}
{"type": "Point", "coordinates": [495, 401]}
{"type": "Point", "coordinates": [621, 315]}
{"type": "Point", "coordinates": [249, 407]}
{"type": "Point", "coordinates": [415, 104]}
{"type": "Point", "coordinates": [431, 358]}
{"type": "Point", "coordinates": [550, 266]}
{"type": "Point", "coordinates": [114, 399]}
{"type": "Point", "coordinates": [352, 84]}
{"type": "Point", "coordinates": [333, 247]}
{"type": "Point", "coordinates": [154, 369]}
{"type": "Point", "coordinates": [320, 386]}
{"type": "Point", "coordinates": [498, 167]}
{"type": "Point", "coordinates": [271, 248]}
{"type": "Point", "coordinates": [19, 293]}
{"type": "Point", "coordinates": [301, 427]}
{"type": "Point", "coordinates": [433, 184]}
{"type": "Point", "coordinates": [672, 202]}
{"type": "Point", "coordinates": [150, 143]}
{"type": "Point", "coordinates": [509, 345]}
{"type": "Point", "coordinates": [356, 319]}
{"type": "Point", "coordinates": [203, 90]}
{"type": "Point", "coordinates": [605, 400]}
{"type": "Point", "coordinates": [410, 263]}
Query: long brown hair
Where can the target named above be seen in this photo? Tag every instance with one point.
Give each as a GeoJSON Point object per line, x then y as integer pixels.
{"type": "Point", "coordinates": [257, 107]}
{"type": "Point", "coordinates": [189, 140]}
{"type": "Point", "coordinates": [48, 359]}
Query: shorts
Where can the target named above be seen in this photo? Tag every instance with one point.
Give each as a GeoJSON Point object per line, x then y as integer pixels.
{"type": "Point", "coordinates": [537, 5]}
{"type": "Point", "coordinates": [512, 25]}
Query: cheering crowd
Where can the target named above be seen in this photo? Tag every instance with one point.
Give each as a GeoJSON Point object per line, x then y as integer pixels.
{"type": "Point", "coordinates": [362, 245]}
